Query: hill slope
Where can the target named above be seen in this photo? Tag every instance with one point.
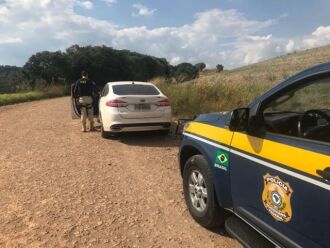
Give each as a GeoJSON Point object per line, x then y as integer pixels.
{"type": "Point", "coordinates": [214, 91]}
{"type": "Point", "coordinates": [273, 70]}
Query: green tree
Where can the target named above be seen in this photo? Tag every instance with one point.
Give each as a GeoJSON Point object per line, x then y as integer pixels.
{"type": "Point", "coordinates": [12, 79]}
{"type": "Point", "coordinates": [47, 66]}
{"type": "Point", "coordinates": [200, 66]}
{"type": "Point", "coordinates": [219, 68]}
{"type": "Point", "coordinates": [103, 64]}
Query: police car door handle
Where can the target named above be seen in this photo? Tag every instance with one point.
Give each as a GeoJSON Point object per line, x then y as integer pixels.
{"type": "Point", "coordinates": [324, 173]}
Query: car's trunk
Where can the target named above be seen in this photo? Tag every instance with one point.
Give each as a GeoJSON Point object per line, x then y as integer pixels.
{"type": "Point", "coordinates": [141, 107]}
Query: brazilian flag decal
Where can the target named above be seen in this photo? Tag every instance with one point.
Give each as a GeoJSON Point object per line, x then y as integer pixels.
{"type": "Point", "coordinates": [222, 158]}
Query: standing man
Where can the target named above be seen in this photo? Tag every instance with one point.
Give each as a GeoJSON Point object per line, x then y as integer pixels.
{"type": "Point", "coordinates": [84, 90]}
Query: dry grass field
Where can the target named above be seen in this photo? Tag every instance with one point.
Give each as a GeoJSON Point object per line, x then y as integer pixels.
{"type": "Point", "coordinates": [213, 91]}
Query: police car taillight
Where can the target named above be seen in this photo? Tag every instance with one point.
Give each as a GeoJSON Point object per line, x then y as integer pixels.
{"type": "Point", "coordinates": [163, 103]}
{"type": "Point", "coordinates": [116, 103]}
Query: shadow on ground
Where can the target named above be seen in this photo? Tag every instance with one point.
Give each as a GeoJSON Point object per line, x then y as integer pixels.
{"type": "Point", "coordinates": [149, 139]}
{"type": "Point", "coordinates": [221, 231]}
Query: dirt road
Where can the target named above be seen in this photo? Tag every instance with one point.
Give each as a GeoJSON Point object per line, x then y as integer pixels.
{"type": "Point", "coordinates": [63, 188]}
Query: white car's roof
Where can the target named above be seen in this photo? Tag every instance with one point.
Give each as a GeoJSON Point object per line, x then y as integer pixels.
{"type": "Point", "coordinates": [129, 82]}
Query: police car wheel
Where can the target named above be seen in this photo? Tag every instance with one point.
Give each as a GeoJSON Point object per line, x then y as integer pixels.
{"type": "Point", "coordinates": [199, 193]}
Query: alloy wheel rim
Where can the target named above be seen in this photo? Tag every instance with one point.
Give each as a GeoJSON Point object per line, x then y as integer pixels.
{"type": "Point", "coordinates": [197, 191]}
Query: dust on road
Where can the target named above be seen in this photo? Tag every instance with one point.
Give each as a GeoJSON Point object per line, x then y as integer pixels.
{"type": "Point", "coordinates": [63, 188]}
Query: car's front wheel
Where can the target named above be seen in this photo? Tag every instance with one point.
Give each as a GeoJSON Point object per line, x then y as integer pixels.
{"type": "Point", "coordinates": [199, 193]}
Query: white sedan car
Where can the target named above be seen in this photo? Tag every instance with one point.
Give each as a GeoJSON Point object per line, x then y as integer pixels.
{"type": "Point", "coordinates": [133, 106]}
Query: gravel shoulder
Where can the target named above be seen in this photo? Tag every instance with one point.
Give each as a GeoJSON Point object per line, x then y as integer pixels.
{"type": "Point", "coordinates": [63, 188]}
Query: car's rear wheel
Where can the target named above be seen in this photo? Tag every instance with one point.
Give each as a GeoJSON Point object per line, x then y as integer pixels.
{"type": "Point", "coordinates": [199, 193]}
{"type": "Point", "coordinates": [104, 134]}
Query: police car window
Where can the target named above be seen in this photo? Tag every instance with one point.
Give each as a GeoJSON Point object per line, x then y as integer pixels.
{"type": "Point", "coordinates": [135, 89]}
{"type": "Point", "coordinates": [303, 113]}
{"type": "Point", "coordinates": [316, 95]}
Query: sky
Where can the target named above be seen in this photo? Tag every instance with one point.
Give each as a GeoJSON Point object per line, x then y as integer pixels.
{"type": "Point", "coordinates": [229, 32]}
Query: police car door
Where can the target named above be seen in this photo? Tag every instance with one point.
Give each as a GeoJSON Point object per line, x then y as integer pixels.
{"type": "Point", "coordinates": [75, 110]}
{"type": "Point", "coordinates": [280, 180]}
{"type": "Point", "coordinates": [75, 106]}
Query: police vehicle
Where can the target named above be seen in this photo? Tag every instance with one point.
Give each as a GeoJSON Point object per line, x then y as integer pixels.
{"type": "Point", "coordinates": [264, 171]}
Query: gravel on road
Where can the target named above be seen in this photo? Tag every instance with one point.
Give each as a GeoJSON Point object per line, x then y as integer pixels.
{"type": "Point", "coordinates": [60, 187]}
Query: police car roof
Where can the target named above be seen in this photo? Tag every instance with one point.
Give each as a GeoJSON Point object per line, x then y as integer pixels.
{"type": "Point", "coordinates": [317, 69]}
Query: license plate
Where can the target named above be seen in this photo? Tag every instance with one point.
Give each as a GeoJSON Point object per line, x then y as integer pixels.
{"type": "Point", "coordinates": [142, 106]}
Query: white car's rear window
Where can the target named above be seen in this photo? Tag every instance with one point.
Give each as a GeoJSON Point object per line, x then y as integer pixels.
{"type": "Point", "coordinates": [135, 89]}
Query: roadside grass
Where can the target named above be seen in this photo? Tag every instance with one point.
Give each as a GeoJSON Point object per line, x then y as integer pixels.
{"type": "Point", "coordinates": [13, 98]}
{"type": "Point", "coordinates": [188, 100]}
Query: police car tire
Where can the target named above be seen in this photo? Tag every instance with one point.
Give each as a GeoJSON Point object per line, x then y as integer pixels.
{"type": "Point", "coordinates": [213, 215]}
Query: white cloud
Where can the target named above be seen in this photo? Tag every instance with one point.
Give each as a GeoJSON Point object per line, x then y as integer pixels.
{"type": "Point", "coordinates": [229, 23]}
{"type": "Point", "coordinates": [290, 46]}
{"type": "Point", "coordinates": [10, 40]}
{"type": "Point", "coordinates": [215, 36]}
{"type": "Point", "coordinates": [252, 49]}
{"type": "Point", "coordinates": [176, 60]}
{"type": "Point", "coordinates": [4, 14]}
{"type": "Point", "coordinates": [260, 38]}
{"type": "Point", "coordinates": [143, 10]}
{"type": "Point", "coordinates": [320, 37]}
{"type": "Point", "coordinates": [85, 4]}
{"type": "Point", "coordinates": [110, 2]}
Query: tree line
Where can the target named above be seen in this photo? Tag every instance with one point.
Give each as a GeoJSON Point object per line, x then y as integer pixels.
{"type": "Point", "coordinates": [103, 64]}
{"type": "Point", "coordinates": [12, 79]}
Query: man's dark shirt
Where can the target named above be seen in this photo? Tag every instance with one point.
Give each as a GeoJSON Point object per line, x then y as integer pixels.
{"type": "Point", "coordinates": [84, 87]}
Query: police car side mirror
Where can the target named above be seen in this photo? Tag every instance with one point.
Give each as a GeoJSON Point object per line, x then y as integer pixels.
{"type": "Point", "coordinates": [239, 119]}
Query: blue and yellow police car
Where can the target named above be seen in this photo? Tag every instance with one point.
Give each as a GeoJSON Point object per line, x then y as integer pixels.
{"type": "Point", "coordinates": [264, 171]}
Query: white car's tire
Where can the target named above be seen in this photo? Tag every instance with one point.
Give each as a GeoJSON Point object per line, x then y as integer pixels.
{"type": "Point", "coordinates": [104, 134]}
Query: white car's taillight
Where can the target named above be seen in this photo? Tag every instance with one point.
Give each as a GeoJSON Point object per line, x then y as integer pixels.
{"type": "Point", "coordinates": [116, 103]}
{"type": "Point", "coordinates": [163, 103]}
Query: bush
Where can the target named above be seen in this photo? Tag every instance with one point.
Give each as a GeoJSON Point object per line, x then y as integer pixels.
{"type": "Point", "coordinates": [200, 66]}
{"type": "Point", "coordinates": [220, 68]}
{"type": "Point", "coordinates": [184, 72]}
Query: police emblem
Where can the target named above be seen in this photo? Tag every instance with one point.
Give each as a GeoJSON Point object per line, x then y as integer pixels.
{"type": "Point", "coordinates": [276, 198]}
